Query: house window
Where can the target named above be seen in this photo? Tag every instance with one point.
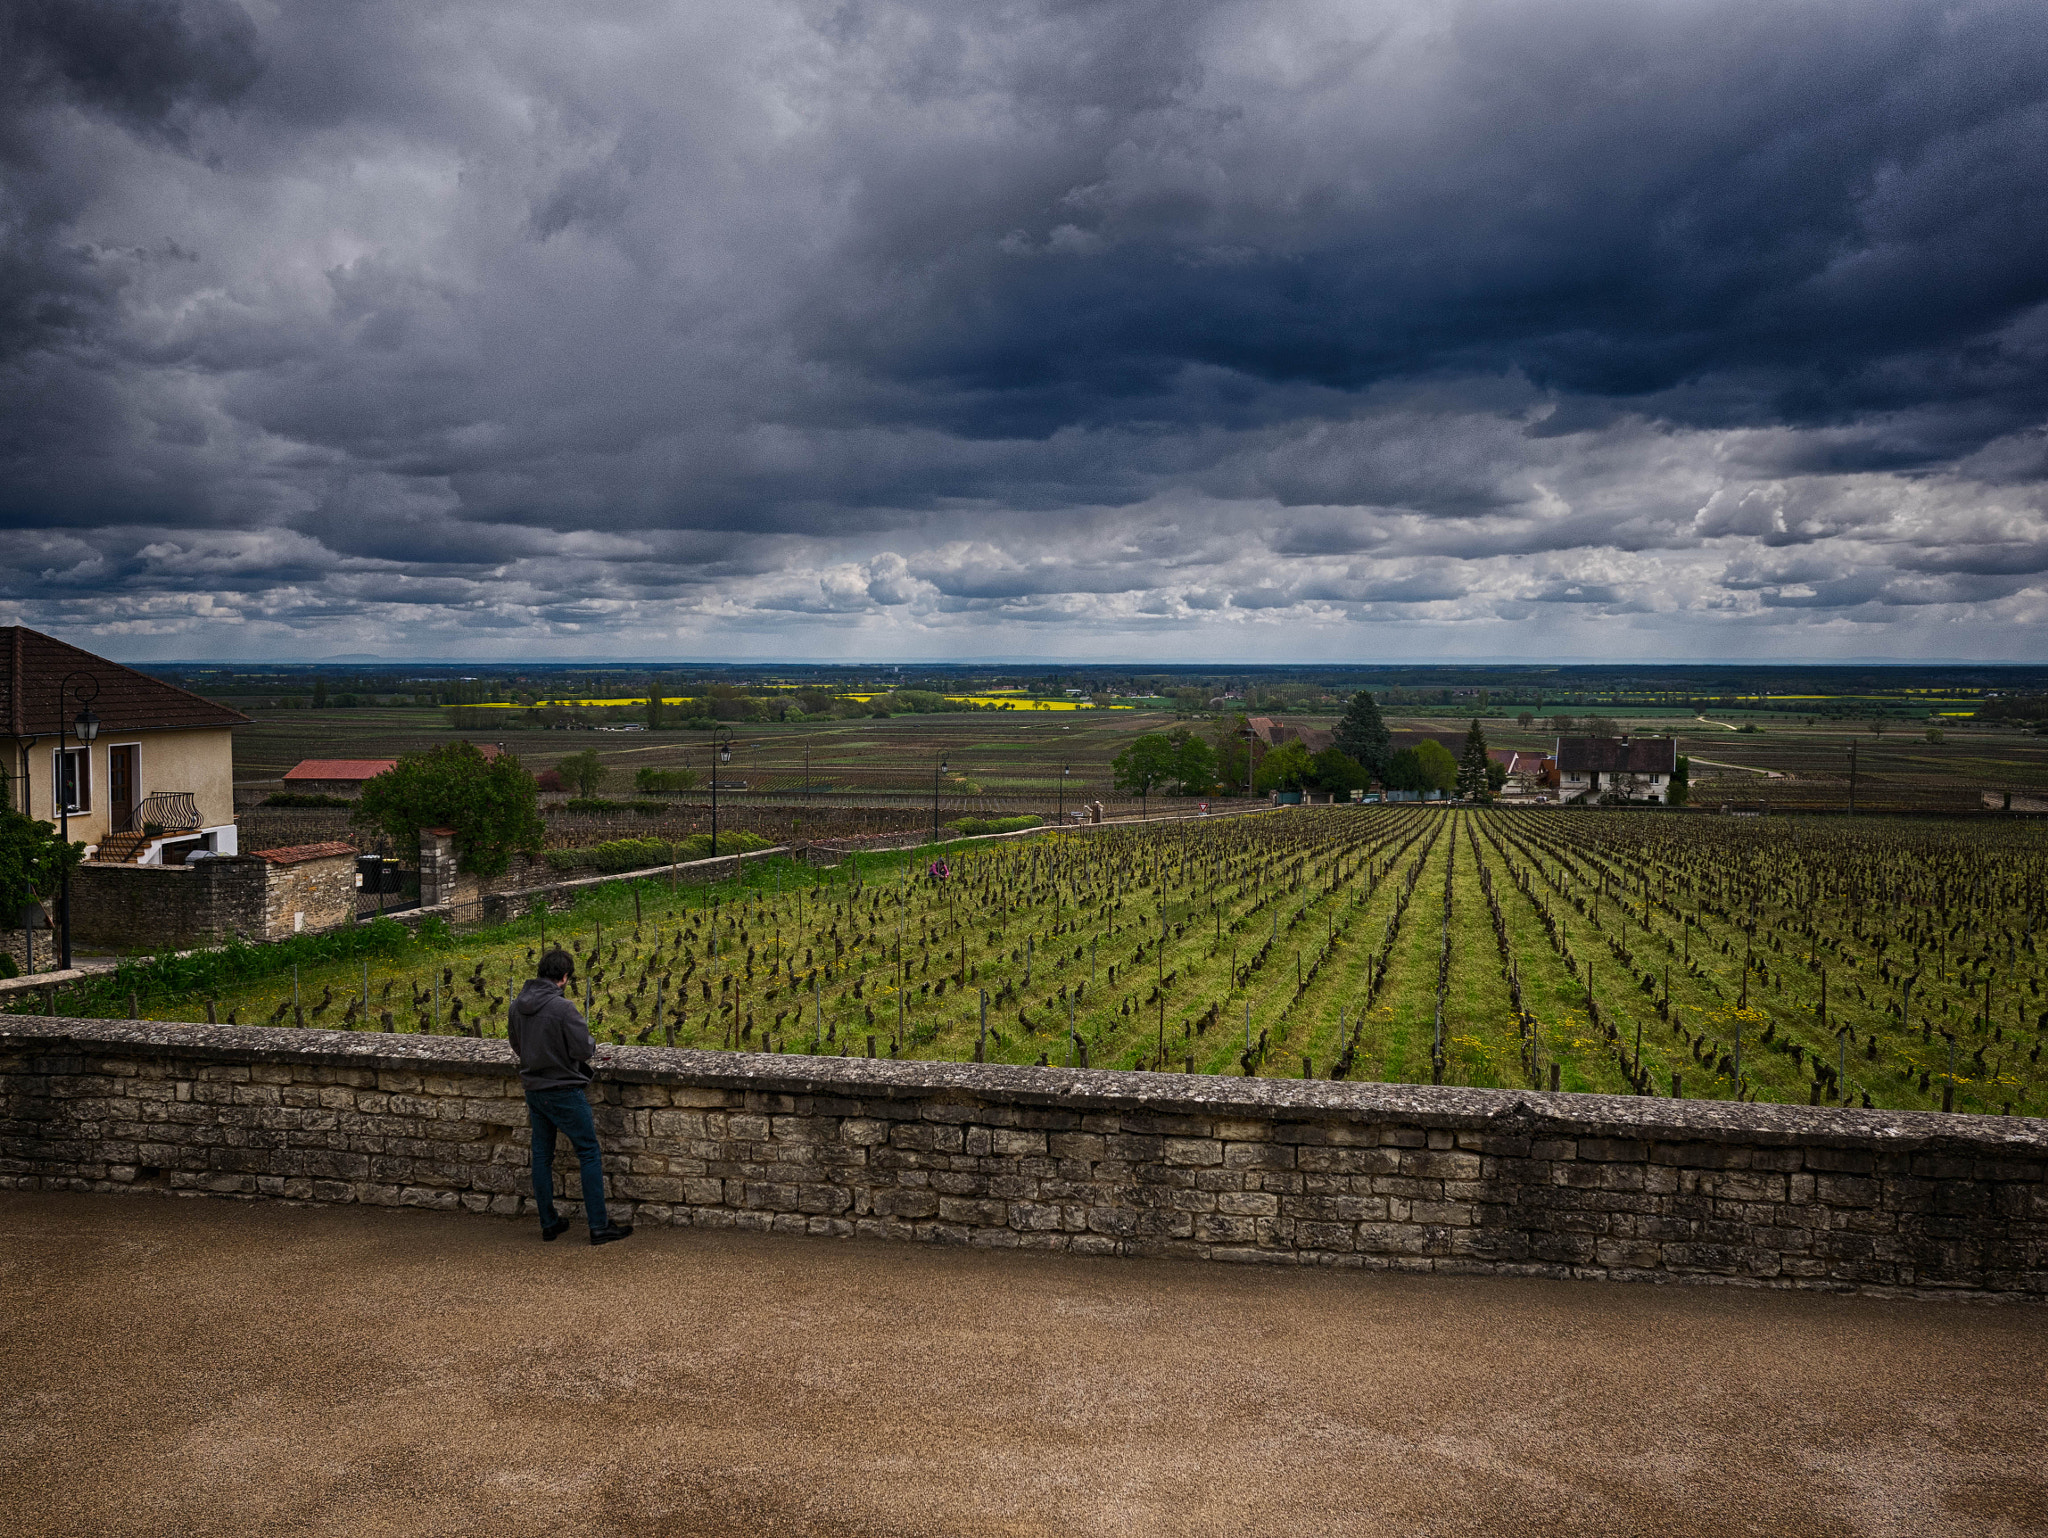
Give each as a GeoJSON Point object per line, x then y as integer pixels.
{"type": "Point", "coordinates": [72, 781]}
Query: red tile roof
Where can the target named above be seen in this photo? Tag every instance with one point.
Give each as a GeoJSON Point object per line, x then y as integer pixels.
{"type": "Point", "coordinates": [298, 854]}
{"type": "Point", "coordinates": [339, 768]}
{"type": "Point", "coordinates": [33, 668]}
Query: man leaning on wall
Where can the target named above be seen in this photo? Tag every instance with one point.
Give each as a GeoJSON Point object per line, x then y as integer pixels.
{"type": "Point", "coordinates": [555, 1048]}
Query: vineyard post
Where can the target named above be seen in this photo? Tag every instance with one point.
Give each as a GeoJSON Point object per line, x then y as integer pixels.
{"type": "Point", "coordinates": [298, 1014]}
{"type": "Point", "coordinates": [1738, 1057]}
{"type": "Point", "coordinates": [981, 1049]}
{"type": "Point", "coordinates": [1247, 1027]}
{"type": "Point", "coordinates": [437, 1000]}
{"type": "Point", "coordinates": [1948, 1090]}
{"type": "Point", "coordinates": [667, 1029]}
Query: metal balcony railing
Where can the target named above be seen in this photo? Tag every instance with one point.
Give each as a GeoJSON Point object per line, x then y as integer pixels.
{"type": "Point", "coordinates": [161, 811]}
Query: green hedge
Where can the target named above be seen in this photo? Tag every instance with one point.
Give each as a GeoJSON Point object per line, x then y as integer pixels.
{"type": "Point", "coordinates": [972, 826]}
{"type": "Point", "coordinates": [237, 962]}
{"type": "Point", "coordinates": [303, 798]}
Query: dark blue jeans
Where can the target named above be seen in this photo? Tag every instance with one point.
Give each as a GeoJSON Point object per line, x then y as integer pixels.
{"type": "Point", "coordinates": [568, 1112]}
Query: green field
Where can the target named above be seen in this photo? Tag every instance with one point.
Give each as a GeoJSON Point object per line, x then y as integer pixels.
{"type": "Point", "coordinates": [999, 765]}
{"type": "Point", "coordinates": [1402, 944]}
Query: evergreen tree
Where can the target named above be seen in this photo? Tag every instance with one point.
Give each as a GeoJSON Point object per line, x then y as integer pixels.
{"type": "Point", "coordinates": [1473, 782]}
{"type": "Point", "coordinates": [1364, 736]}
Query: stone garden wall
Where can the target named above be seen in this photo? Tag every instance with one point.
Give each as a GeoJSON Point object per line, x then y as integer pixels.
{"type": "Point", "coordinates": [1103, 1163]}
{"type": "Point", "coordinates": [174, 907]}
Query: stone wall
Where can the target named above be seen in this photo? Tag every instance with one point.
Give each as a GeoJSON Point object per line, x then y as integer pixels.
{"type": "Point", "coordinates": [311, 887]}
{"type": "Point", "coordinates": [154, 907]}
{"type": "Point", "coordinates": [1103, 1163]}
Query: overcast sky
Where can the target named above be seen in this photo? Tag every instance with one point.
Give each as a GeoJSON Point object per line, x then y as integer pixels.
{"type": "Point", "coordinates": [1156, 331]}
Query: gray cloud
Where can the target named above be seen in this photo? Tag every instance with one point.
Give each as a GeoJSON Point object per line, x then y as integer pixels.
{"type": "Point", "coordinates": [1208, 329]}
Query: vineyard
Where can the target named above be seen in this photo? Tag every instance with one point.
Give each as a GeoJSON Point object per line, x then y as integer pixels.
{"type": "Point", "coordinates": [1825, 962]}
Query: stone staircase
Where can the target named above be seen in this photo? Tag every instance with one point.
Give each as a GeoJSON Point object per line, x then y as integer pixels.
{"type": "Point", "coordinates": [121, 848]}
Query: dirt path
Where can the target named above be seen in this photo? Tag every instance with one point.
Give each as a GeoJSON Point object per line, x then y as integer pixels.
{"type": "Point", "coordinates": [195, 1367]}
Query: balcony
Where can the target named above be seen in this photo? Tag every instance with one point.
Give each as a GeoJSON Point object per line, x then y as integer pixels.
{"type": "Point", "coordinates": [159, 813]}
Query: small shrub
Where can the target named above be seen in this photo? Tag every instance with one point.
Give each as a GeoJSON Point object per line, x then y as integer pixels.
{"type": "Point", "coordinates": [654, 782]}
{"type": "Point", "coordinates": [304, 798]}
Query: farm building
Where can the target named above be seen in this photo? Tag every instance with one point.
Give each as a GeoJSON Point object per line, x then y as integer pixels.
{"type": "Point", "coordinates": [154, 783]}
{"type": "Point", "coordinates": [1276, 734]}
{"type": "Point", "coordinates": [1637, 767]}
{"type": "Point", "coordinates": [1529, 774]}
{"type": "Point", "coordinates": [346, 776]}
{"type": "Point", "coordinates": [335, 776]}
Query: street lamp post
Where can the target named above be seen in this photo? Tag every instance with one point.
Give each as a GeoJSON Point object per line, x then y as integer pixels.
{"type": "Point", "coordinates": [937, 774]}
{"type": "Point", "coordinates": [85, 726]}
{"type": "Point", "coordinates": [721, 744]}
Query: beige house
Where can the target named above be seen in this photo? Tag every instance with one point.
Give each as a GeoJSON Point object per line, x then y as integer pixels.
{"type": "Point", "coordinates": [155, 784]}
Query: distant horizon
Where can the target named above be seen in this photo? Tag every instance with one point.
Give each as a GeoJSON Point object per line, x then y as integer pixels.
{"type": "Point", "coordinates": [1065, 664]}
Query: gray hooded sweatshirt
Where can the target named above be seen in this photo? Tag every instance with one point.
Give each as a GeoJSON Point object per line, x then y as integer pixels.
{"type": "Point", "coordinates": [549, 1036]}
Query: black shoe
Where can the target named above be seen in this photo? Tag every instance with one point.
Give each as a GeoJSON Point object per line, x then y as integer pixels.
{"type": "Point", "coordinates": [550, 1232]}
{"type": "Point", "coordinates": [611, 1233]}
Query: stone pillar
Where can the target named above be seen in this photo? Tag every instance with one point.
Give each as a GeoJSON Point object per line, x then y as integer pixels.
{"type": "Point", "coordinates": [437, 866]}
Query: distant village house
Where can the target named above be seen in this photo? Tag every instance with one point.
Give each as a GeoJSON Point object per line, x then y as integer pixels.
{"type": "Point", "coordinates": [1639, 768]}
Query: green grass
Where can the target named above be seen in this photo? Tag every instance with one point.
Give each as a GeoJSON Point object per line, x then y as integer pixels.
{"type": "Point", "coordinates": [809, 959]}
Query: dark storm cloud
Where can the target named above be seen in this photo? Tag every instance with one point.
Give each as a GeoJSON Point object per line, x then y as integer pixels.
{"type": "Point", "coordinates": [656, 325]}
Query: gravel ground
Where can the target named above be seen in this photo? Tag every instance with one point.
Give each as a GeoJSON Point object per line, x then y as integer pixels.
{"type": "Point", "coordinates": [199, 1367]}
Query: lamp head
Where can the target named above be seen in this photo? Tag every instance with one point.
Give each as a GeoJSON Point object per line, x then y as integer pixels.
{"type": "Point", "coordinates": [725, 753]}
{"type": "Point", "coordinates": [85, 725]}
{"type": "Point", "coordinates": [943, 767]}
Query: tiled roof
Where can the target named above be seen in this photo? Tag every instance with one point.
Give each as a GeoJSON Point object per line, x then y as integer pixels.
{"type": "Point", "coordinates": [298, 854]}
{"type": "Point", "coordinates": [1617, 755]}
{"type": "Point", "coordinates": [33, 668]}
{"type": "Point", "coordinates": [339, 768]}
{"type": "Point", "coordinates": [1277, 734]}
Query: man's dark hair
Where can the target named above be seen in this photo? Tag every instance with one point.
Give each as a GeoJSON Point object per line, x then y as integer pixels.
{"type": "Point", "coordinates": [557, 964]}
